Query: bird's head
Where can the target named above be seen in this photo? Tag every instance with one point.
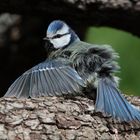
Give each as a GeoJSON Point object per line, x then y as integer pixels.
{"type": "Point", "coordinates": [59, 34]}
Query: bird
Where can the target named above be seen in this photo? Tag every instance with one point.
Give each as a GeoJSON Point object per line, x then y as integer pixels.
{"type": "Point", "coordinates": [75, 67]}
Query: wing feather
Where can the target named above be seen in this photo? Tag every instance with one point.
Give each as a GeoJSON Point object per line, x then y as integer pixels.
{"type": "Point", "coordinates": [50, 78]}
{"type": "Point", "coordinates": [110, 101]}
{"type": "Point", "coordinates": [65, 84]}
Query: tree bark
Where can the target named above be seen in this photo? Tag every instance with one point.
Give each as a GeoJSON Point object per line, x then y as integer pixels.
{"type": "Point", "coordinates": [60, 118]}
{"type": "Point", "coordinates": [119, 14]}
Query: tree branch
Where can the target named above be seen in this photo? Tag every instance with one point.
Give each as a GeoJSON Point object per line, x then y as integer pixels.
{"type": "Point", "coordinates": [60, 118]}
{"type": "Point", "coordinates": [114, 13]}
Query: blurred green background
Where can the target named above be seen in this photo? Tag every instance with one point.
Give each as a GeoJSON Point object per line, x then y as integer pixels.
{"type": "Point", "coordinates": [128, 47]}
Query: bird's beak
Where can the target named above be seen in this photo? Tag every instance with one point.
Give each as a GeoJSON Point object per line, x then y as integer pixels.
{"type": "Point", "coordinates": [45, 38]}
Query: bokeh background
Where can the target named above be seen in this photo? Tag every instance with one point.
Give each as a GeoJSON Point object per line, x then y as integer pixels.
{"type": "Point", "coordinates": [21, 47]}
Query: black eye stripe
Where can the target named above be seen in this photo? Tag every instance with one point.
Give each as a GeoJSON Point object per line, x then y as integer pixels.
{"type": "Point", "coordinates": [59, 35]}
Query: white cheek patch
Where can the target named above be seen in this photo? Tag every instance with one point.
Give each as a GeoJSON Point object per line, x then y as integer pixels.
{"type": "Point", "coordinates": [64, 30]}
{"type": "Point", "coordinates": [61, 42]}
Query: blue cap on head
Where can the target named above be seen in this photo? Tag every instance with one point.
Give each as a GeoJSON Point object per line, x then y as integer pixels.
{"type": "Point", "coordinates": [55, 26]}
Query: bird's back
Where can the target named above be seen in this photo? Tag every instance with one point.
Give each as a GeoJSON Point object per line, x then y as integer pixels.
{"type": "Point", "coordinates": [91, 58]}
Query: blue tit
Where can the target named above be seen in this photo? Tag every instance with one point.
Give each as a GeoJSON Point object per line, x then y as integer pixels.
{"type": "Point", "coordinates": [74, 68]}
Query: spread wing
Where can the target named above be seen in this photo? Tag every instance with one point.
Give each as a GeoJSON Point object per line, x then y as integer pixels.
{"type": "Point", "coordinates": [50, 78]}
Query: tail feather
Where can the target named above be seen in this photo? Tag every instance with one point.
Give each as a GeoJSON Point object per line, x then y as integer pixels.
{"type": "Point", "coordinates": [110, 101]}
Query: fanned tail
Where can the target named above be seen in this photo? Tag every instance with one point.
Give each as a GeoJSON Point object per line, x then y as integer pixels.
{"type": "Point", "coordinates": [110, 101]}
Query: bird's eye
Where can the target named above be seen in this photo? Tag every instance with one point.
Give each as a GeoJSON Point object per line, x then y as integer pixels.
{"type": "Point", "coordinates": [57, 36]}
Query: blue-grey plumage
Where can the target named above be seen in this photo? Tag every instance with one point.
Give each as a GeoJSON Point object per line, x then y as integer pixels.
{"type": "Point", "coordinates": [75, 67]}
